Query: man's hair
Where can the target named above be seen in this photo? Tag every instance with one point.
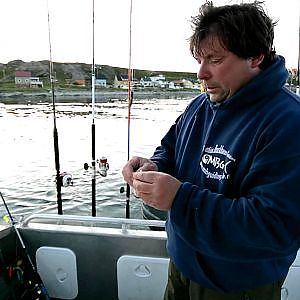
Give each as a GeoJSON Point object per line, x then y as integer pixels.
{"type": "Point", "coordinates": [243, 29]}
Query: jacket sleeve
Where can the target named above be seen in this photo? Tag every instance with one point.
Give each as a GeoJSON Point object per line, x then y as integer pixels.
{"type": "Point", "coordinates": [264, 222]}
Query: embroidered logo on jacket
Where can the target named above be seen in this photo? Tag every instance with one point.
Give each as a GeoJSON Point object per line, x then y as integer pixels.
{"type": "Point", "coordinates": [215, 162]}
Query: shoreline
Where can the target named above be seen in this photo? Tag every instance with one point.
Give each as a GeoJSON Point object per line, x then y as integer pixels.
{"type": "Point", "coordinates": [100, 96]}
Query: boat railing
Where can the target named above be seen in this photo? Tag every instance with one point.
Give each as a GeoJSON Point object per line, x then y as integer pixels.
{"type": "Point", "coordinates": [73, 220]}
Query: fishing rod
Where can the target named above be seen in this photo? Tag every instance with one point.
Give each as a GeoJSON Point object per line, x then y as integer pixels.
{"type": "Point", "coordinates": [93, 123]}
{"type": "Point", "coordinates": [103, 165]}
{"type": "Point", "coordinates": [55, 133]}
{"type": "Point", "coordinates": [35, 273]}
{"type": "Point", "coordinates": [130, 98]}
{"type": "Point", "coordinates": [298, 69]}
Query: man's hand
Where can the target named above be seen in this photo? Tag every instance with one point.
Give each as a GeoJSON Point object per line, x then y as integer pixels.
{"type": "Point", "coordinates": [155, 188]}
{"type": "Point", "coordinates": [135, 164]}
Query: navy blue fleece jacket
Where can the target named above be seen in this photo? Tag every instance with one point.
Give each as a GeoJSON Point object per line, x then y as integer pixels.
{"type": "Point", "coordinates": [235, 221]}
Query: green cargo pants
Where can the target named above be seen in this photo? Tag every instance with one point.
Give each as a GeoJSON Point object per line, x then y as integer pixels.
{"type": "Point", "coordinates": [181, 288]}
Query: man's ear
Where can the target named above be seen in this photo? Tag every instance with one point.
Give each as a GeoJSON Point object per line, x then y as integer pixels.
{"type": "Point", "coordinates": [256, 61]}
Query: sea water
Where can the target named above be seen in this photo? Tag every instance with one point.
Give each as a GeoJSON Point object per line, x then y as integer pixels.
{"type": "Point", "coordinates": [27, 162]}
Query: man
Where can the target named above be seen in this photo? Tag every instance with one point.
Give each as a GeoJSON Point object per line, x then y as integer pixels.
{"type": "Point", "coordinates": [228, 170]}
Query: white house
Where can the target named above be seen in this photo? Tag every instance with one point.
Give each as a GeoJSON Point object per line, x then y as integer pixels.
{"type": "Point", "coordinates": [159, 77]}
{"type": "Point", "coordinates": [100, 82]}
{"type": "Point", "coordinates": [35, 82]}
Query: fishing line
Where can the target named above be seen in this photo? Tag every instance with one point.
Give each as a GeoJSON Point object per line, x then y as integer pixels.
{"type": "Point", "coordinates": [36, 274]}
{"type": "Point", "coordinates": [55, 133]}
{"type": "Point", "coordinates": [130, 98]}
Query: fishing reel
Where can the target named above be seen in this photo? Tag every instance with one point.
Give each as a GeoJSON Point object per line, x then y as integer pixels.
{"type": "Point", "coordinates": [102, 167]}
{"type": "Point", "coordinates": [65, 179]}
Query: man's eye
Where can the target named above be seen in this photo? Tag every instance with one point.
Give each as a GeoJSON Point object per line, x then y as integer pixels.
{"type": "Point", "coordinates": [215, 60]}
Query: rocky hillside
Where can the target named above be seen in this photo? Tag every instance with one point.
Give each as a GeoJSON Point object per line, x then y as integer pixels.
{"type": "Point", "coordinates": [75, 71]}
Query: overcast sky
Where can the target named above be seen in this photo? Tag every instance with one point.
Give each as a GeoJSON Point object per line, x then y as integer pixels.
{"type": "Point", "coordinates": [160, 29]}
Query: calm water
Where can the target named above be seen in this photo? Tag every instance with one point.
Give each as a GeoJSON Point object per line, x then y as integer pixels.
{"type": "Point", "coordinates": [27, 176]}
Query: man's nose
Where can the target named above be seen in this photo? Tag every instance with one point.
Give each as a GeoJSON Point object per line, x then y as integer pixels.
{"type": "Point", "coordinates": [204, 72]}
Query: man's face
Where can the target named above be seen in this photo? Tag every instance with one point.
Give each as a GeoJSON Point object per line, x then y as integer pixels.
{"type": "Point", "coordinates": [222, 72]}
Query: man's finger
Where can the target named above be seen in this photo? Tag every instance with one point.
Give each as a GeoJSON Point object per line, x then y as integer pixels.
{"type": "Point", "coordinates": [147, 177]}
{"type": "Point", "coordinates": [142, 187]}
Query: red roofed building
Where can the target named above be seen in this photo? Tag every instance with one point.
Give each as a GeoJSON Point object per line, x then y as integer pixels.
{"type": "Point", "coordinates": [24, 79]}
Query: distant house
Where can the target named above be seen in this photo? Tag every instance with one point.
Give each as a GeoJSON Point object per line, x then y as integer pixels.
{"type": "Point", "coordinates": [35, 82]}
{"type": "Point", "coordinates": [121, 82]}
{"type": "Point", "coordinates": [24, 79]}
{"type": "Point", "coordinates": [77, 82]}
{"type": "Point", "coordinates": [187, 84]}
{"type": "Point", "coordinates": [100, 81]}
{"type": "Point", "coordinates": [147, 82]}
{"type": "Point", "coordinates": [157, 78]}
{"type": "Point", "coordinates": [183, 83]}
{"type": "Point", "coordinates": [155, 81]}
